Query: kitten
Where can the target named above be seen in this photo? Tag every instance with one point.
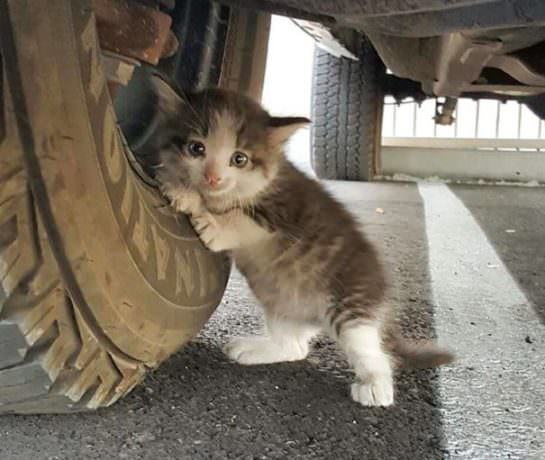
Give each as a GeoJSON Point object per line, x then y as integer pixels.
{"type": "Point", "coordinates": [221, 160]}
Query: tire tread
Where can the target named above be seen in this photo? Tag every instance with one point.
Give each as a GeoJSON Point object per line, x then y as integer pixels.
{"type": "Point", "coordinates": [49, 362]}
{"type": "Point", "coordinates": [346, 114]}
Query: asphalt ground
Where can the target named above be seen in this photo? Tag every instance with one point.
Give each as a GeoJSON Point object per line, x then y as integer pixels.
{"type": "Point", "coordinates": [466, 265]}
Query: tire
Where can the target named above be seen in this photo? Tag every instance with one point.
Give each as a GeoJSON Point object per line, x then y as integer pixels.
{"type": "Point", "coordinates": [98, 281]}
{"type": "Point", "coordinates": [347, 102]}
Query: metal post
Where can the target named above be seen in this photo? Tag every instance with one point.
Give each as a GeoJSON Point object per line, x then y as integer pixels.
{"type": "Point", "coordinates": [519, 123]}
{"type": "Point", "coordinates": [497, 121]}
{"type": "Point", "coordinates": [394, 120]}
{"type": "Point", "coordinates": [477, 111]}
{"type": "Point", "coordinates": [415, 118]}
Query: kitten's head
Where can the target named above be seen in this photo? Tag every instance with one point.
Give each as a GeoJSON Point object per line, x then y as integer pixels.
{"type": "Point", "coordinates": [221, 143]}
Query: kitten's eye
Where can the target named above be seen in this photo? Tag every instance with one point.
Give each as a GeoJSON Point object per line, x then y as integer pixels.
{"type": "Point", "coordinates": [239, 159]}
{"type": "Point", "coordinates": [196, 149]}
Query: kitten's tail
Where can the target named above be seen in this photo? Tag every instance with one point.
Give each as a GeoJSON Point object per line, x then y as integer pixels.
{"type": "Point", "coordinates": [420, 355]}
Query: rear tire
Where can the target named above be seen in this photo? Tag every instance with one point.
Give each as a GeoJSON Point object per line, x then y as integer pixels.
{"type": "Point", "coordinates": [347, 101]}
{"type": "Point", "coordinates": [98, 281]}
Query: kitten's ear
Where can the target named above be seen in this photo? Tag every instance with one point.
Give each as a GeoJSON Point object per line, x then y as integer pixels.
{"type": "Point", "coordinates": [168, 99]}
{"type": "Point", "coordinates": [280, 129]}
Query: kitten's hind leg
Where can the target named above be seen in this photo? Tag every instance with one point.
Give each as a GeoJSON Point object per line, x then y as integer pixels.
{"type": "Point", "coordinates": [287, 340]}
{"type": "Point", "coordinates": [373, 368]}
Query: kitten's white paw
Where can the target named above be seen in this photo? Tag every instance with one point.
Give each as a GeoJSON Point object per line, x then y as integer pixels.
{"type": "Point", "coordinates": [209, 232]}
{"type": "Point", "coordinates": [184, 200]}
{"type": "Point", "coordinates": [248, 350]}
{"type": "Point", "coordinates": [259, 350]}
{"type": "Point", "coordinates": [378, 392]}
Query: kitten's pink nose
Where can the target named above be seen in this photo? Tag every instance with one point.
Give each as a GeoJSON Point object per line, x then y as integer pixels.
{"type": "Point", "coordinates": [212, 179]}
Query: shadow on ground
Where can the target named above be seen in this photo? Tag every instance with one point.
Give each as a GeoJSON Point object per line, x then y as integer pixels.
{"type": "Point", "coordinates": [513, 219]}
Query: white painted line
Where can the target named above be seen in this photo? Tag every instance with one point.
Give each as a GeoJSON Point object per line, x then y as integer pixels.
{"type": "Point", "coordinates": [493, 397]}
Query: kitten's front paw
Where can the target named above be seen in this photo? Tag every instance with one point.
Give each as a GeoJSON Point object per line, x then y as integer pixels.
{"type": "Point", "coordinates": [378, 392]}
{"type": "Point", "coordinates": [184, 200]}
{"type": "Point", "coordinates": [260, 350]}
{"type": "Point", "coordinates": [209, 232]}
{"type": "Point", "coordinates": [245, 350]}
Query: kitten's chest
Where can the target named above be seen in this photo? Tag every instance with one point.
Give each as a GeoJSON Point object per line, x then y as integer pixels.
{"type": "Point", "coordinates": [282, 283]}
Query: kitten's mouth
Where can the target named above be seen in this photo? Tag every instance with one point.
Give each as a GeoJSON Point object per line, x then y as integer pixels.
{"type": "Point", "coordinates": [218, 190]}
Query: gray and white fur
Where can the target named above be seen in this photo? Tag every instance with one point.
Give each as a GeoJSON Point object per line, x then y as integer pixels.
{"type": "Point", "coordinates": [221, 160]}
